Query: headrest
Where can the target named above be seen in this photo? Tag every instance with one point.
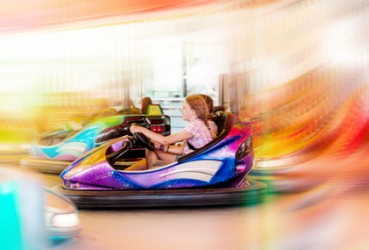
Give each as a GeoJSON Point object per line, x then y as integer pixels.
{"type": "Point", "coordinates": [226, 122]}
{"type": "Point", "coordinates": [154, 110]}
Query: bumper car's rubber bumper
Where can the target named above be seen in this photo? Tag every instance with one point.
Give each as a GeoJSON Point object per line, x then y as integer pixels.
{"type": "Point", "coordinates": [251, 192]}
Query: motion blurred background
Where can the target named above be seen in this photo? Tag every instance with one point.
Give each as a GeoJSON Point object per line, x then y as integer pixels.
{"type": "Point", "coordinates": [297, 69]}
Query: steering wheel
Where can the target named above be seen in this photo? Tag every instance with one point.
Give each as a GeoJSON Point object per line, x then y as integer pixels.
{"type": "Point", "coordinates": [144, 140]}
{"type": "Point", "coordinates": [113, 157]}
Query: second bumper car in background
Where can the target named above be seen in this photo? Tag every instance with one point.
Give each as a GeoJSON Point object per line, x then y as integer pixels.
{"type": "Point", "coordinates": [53, 153]}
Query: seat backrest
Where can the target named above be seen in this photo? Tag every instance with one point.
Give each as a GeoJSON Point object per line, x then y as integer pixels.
{"type": "Point", "coordinates": [154, 110]}
{"type": "Point", "coordinates": [226, 121]}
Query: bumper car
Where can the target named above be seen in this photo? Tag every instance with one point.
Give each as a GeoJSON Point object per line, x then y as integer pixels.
{"type": "Point", "coordinates": [55, 151]}
{"type": "Point", "coordinates": [34, 217]}
{"type": "Point", "coordinates": [61, 217]}
{"type": "Point", "coordinates": [214, 175]}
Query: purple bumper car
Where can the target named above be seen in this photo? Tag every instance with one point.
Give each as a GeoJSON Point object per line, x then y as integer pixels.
{"type": "Point", "coordinates": [215, 174]}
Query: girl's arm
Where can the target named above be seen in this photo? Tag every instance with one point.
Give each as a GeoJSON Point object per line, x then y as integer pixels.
{"type": "Point", "coordinates": [174, 148]}
{"type": "Point", "coordinates": [165, 140]}
{"type": "Point", "coordinates": [170, 148]}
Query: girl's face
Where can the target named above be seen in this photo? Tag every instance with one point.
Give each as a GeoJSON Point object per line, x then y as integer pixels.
{"type": "Point", "coordinates": [187, 111]}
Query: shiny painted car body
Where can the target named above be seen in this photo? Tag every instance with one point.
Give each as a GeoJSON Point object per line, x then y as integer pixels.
{"type": "Point", "coordinates": [61, 216]}
{"type": "Point", "coordinates": [227, 158]}
{"type": "Point", "coordinates": [84, 140]}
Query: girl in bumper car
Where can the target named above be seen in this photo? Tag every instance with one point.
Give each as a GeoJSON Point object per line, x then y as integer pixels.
{"type": "Point", "coordinates": [169, 148]}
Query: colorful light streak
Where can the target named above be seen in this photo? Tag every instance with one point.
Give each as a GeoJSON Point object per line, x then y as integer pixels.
{"type": "Point", "coordinates": [301, 67]}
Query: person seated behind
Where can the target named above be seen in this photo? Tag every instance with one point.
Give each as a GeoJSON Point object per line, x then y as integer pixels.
{"type": "Point", "coordinates": [146, 101]}
{"type": "Point", "coordinates": [212, 125]}
{"type": "Point", "coordinates": [167, 148]}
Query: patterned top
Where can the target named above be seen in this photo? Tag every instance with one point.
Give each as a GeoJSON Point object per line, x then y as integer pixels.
{"type": "Point", "coordinates": [201, 135]}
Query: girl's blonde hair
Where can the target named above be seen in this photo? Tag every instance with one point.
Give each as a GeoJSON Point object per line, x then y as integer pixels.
{"type": "Point", "coordinates": [198, 103]}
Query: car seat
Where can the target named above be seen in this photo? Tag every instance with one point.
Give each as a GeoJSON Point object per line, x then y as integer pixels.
{"type": "Point", "coordinates": [225, 124]}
